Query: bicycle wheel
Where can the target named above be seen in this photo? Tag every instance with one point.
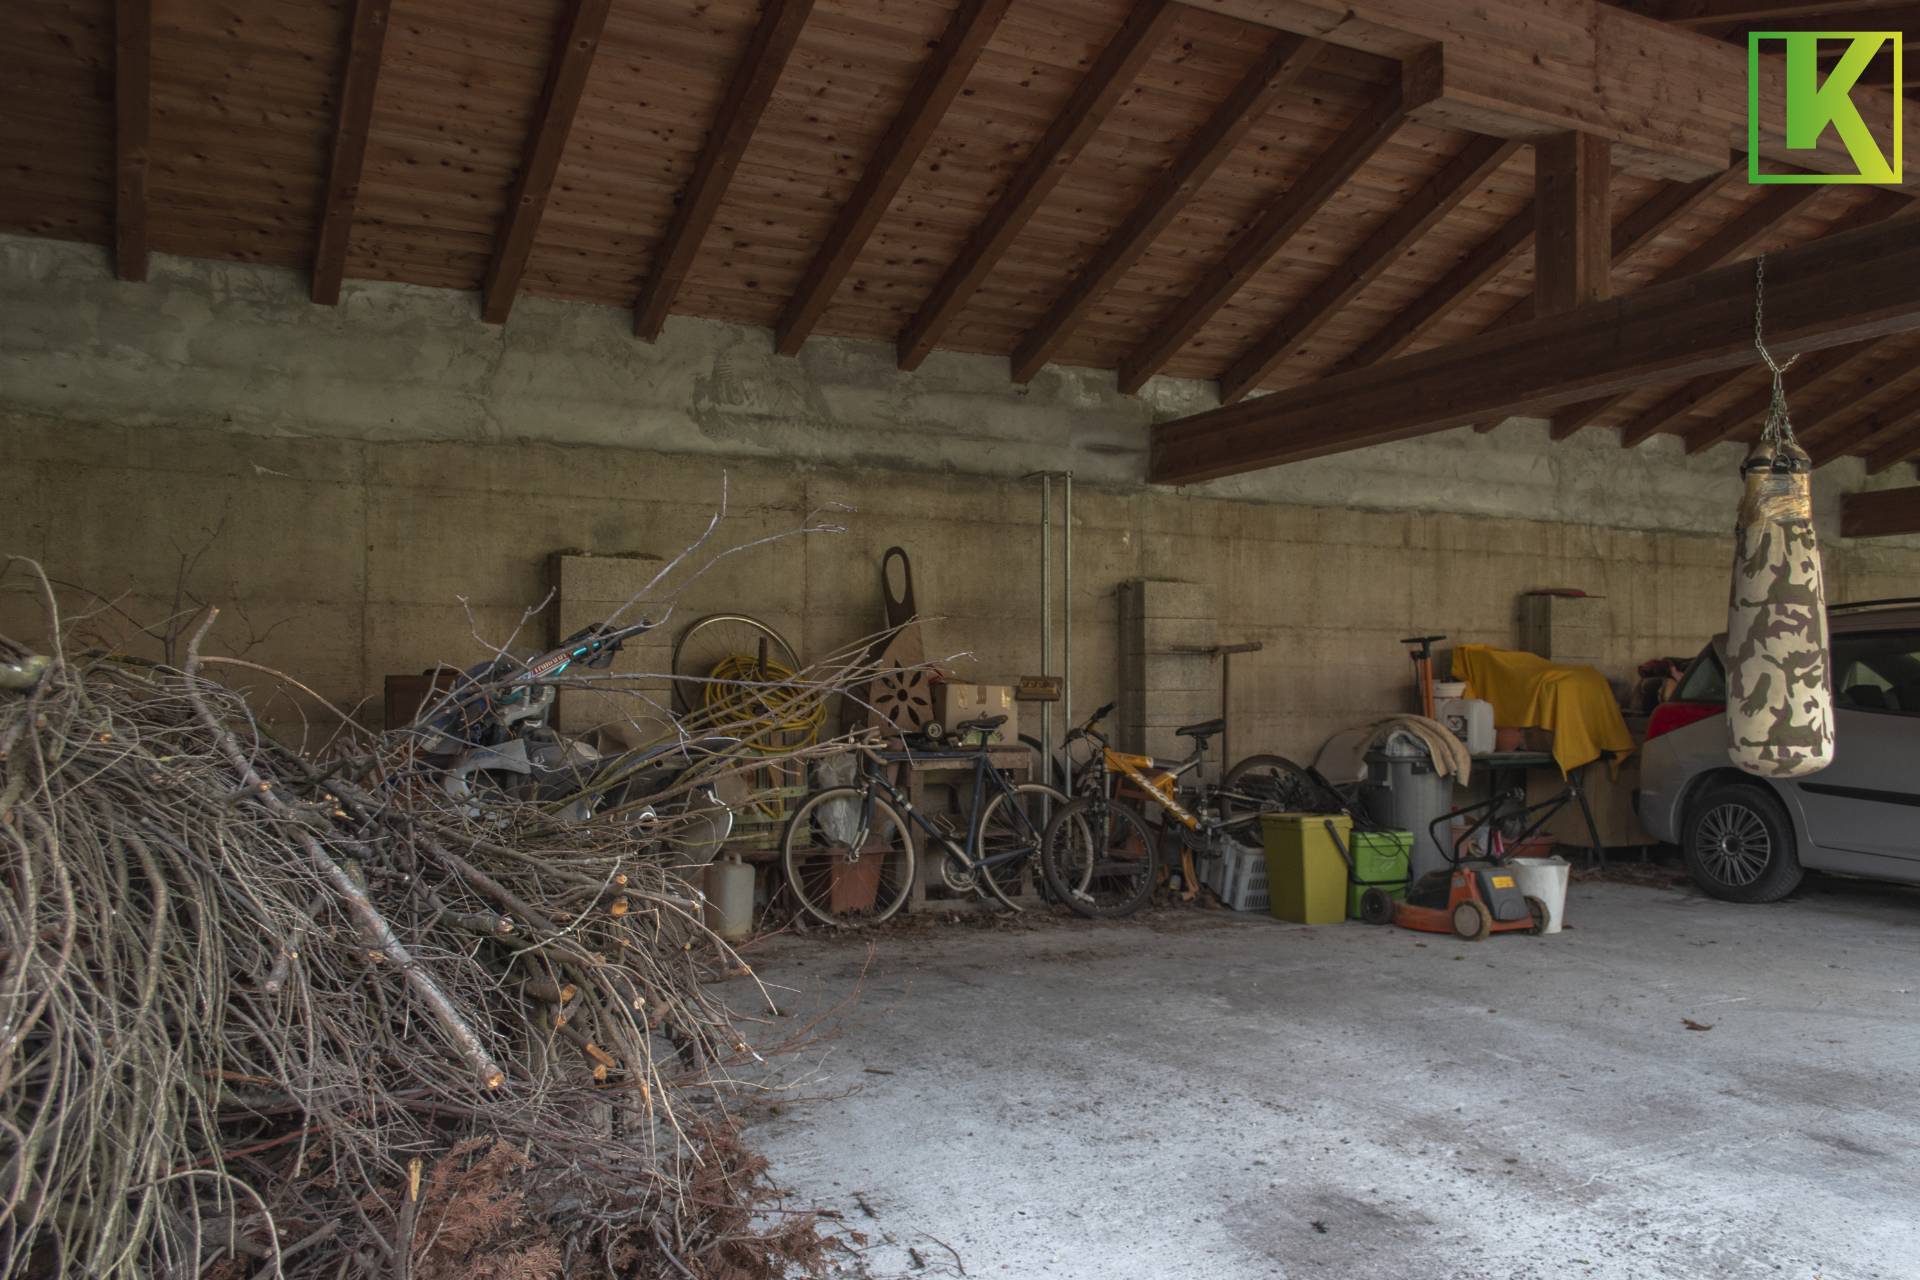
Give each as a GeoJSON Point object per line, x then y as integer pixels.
{"type": "Point", "coordinates": [1008, 837]}
{"type": "Point", "coordinates": [848, 856]}
{"type": "Point", "coordinates": [1100, 858]}
{"type": "Point", "coordinates": [1269, 784]}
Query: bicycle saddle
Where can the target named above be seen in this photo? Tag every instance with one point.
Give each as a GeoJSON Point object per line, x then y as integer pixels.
{"type": "Point", "coordinates": [982, 724]}
{"type": "Point", "coordinates": [1205, 729]}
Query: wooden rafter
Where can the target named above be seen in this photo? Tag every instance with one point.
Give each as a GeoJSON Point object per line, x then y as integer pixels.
{"type": "Point", "coordinates": [1710, 13]}
{"type": "Point", "coordinates": [1467, 277]}
{"type": "Point", "coordinates": [1672, 101]}
{"type": "Point", "coordinates": [1460, 178]}
{"type": "Point", "coordinates": [1280, 221]}
{"type": "Point", "coordinates": [1573, 222]}
{"type": "Point", "coordinates": [132, 134]}
{"type": "Point", "coordinates": [1862, 423]}
{"type": "Point", "coordinates": [946, 69]}
{"type": "Point", "coordinates": [1110, 76]}
{"type": "Point", "coordinates": [1900, 447]}
{"type": "Point", "coordinates": [1809, 376]}
{"type": "Point", "coordinates": [1733, 240]}
{"type": "Point", "coordinates": [552, 124]}
{"type": "Point", "coordinates": [366, 44]}
{"type": "Point", "coordinates": [1839, 289]}
{"type": "Point", "coordinates": [1286, 58]}
{"type": "Point", "coordinates": [748, 92]}
{"type": "Point", "coordinates": [1673, 407]}
{"type": "Point", "coordinates": [1880, 513]}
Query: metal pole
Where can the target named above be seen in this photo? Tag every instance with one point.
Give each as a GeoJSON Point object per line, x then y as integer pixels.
{"type": "Point", "coordinates": [1046, 612]}
{"type": "Point", "coordinates": [1066, 611]}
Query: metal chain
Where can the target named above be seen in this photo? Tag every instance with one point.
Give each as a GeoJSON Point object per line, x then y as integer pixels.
{"type": "Point", "coordinates": [1779, 426]}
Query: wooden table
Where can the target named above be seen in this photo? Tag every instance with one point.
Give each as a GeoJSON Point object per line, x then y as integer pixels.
{"type": "Point", "coordinates": [1498, 762]}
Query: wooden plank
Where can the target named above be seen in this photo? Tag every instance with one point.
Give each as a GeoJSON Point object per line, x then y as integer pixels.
{"type": "Point", "coordinates": [1466, 278]}
{"type": "Point", "coordinates": [1880, 514]}
{"type": "Point", "coordinates": [1664, 412]}
{"type": "Point", "coordinates": [1672, 101]}
{"type": "Point", "coordinates": [1281, 221]}
{"type": "Point", "coordinates": [366, 43]}
{"type": "Point", "coordinates": [553, 124]}
{"type": "Point", "coordinates": [1712, 13]}
{"type": "Point", "coordinates": [1111, 74]}
{"type": "Point", "coordinates": [1840, 289]}
{"type": "Point", "coordinates": [972, 25]}
{"type": "Point", "coordinates": [1899, 448]}
{"type": "Point", "coordinates": [1286, 58]}
{"type": "Point", "coordinates": [1733, 239]}
{"type": "Point", "coordinates": [1859, 425]}
{"type": "Point", "coordinates": [132, 134]}
{"type": "Point", "coordinates": [748, 92]}
{"type": "Point", "coordinates": [1461, 177]}
{"type": "Point", "coordinates": [1573, 222]}
{"type": "Point", "coordinates": [1808, 376]}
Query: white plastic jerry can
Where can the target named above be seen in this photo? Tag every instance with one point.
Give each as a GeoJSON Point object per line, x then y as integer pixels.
{"type": "Point", "coordinates": [1468, 719]}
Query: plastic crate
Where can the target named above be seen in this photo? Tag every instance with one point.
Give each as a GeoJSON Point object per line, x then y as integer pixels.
{"type": "Point", "coordinates": [1244, 879]}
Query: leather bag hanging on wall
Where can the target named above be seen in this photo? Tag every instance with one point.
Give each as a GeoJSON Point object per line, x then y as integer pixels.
{"type": "Point", "coordinates": [1779, 687]}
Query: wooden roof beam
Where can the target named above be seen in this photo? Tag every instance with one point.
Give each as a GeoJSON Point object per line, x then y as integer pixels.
{"type": "Point", "coordinates": [1880, 513]}
{"type": "Point", "coordinates": [1863, 423]}
{"type": "Point", "coordinates": [1467, 277]}
{"type": "Point", "coordinates": [748, 92]}
{"type": "Point", "coordinates": [1708, 13]}
{"type": "Point", "coordinates": [1733, 240]}
{"type": "Point", "coordinates": [552, 123]}
{"type": "Point", "coordinates": [1673, 407]}
{"type": "Point", "coordinates": [1111, 74]}
{"type": "Point", "coordinates": [1573, 223]}
{"type": "Point", "coordinates": [366, 45]}
{"type": "Point", "coordinates": [1900, 447]}
{"type": "Point", "coordinates": [1280, 221]}
{"type": "Point", "coordinates": [1809, 375]}
{"type": "Point", "coordinates": [1673, 102]}
{"type": "Point", "coordinates": [1460, 178]}
{"type": "Point", "coordinates": [1286, 58]}
{"type": "Point", "coordinates": [1840, 289]}
{"type": "Point", "coordinates": [940, 80]}
{"type": "Point", "coordinates": [132, 134]}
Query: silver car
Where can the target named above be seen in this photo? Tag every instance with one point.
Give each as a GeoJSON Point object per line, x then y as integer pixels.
{"type": "Point", "coordinates": [1749, 839]}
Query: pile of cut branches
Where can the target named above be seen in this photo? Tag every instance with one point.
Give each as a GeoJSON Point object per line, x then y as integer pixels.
{"type": "Point", "coordinates": [268, 1014]}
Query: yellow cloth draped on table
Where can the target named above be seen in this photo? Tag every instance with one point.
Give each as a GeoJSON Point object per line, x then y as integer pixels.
{"type": "Point", "coordinates": [1529, 692]}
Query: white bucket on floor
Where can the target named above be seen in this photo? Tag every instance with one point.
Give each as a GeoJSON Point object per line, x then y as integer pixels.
{"type": "Point", "coordinates": [1545, 879]}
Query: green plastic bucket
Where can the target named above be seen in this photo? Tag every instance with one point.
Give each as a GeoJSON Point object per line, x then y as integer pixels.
{"type": "Point", "coordinates": [1380, 861]}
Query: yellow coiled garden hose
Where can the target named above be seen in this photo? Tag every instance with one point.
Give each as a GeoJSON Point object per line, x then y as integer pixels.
{"type": "Point", "coordinates": [772, 713]}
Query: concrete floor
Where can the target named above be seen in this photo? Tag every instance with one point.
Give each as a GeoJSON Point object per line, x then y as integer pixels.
{"type": "Point", "coordinates": [1200, 1094]}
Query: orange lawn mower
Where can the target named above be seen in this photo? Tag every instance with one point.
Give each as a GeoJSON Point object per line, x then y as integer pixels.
{"type": "Point", "coordinates": [1480, 895]}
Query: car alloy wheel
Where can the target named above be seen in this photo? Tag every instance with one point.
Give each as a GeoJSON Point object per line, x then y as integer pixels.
{"type": "Point", "coordinates": [1734, 846]}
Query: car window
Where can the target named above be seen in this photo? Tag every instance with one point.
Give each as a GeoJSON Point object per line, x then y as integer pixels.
{"type": "Point", "coordinates": [1877, 671]}
{"type": "Point", "coordinates": [1705, 681]}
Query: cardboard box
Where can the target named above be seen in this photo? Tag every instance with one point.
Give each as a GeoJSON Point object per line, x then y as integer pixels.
{"type": "Point", "coordinates": [953, 703]}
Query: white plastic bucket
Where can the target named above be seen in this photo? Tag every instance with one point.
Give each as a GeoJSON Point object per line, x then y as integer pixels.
{"type": "Point", "coordinates": [1545, 879]}
{"type": "Point", "coordinates": [1449, 689]}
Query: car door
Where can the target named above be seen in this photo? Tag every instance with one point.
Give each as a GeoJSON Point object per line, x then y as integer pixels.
{"type": "Point", "coordinates": [1868, 800]}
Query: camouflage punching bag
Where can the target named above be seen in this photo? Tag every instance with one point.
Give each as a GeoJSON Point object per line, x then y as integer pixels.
{"type": "Point", "coordinates": [1779, 697]}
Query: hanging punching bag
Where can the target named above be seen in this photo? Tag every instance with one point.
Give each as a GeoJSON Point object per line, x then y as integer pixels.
{"type": "Point", "coordinates": [1779, 697]}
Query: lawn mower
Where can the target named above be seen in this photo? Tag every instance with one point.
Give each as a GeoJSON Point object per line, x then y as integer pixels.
{"type": "Point", "coordinates": [1479, 895]}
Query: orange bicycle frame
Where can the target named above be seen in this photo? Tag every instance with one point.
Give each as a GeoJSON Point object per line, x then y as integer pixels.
{"type": "Point", "coordinates": [1157, 787]}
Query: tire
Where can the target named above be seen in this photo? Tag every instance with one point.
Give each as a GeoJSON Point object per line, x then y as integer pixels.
{"type": "Point", "coordinates": [1376, 906]}
{"type": "Point", "coordinates": [1472, 921]}
{"type": "Point", "coordinates": [1537, 912]}
{"type": "Point", "coordinates": [1738, 844]}
{"type": "Point", "coordinates": [816, 851]}
{"type": "Point", "coordinates": [1100, 858]}
{"type": "Point", "coordinates": [1269, 784]}
{"type": "Point", "coordinates": [1013, 822]}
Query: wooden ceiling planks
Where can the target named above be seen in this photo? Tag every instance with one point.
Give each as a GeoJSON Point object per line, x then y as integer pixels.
{"type": "Point", "coordinates": [246, 101]}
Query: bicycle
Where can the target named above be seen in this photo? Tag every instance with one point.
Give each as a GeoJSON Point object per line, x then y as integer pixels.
{"type": "Point", "coordinates": [849, 853]}
{"type": "Point", "coordinates": [1102, 858]}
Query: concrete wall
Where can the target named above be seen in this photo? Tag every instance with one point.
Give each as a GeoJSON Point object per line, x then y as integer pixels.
{"type": "Point", "coordinates": [344, 479]}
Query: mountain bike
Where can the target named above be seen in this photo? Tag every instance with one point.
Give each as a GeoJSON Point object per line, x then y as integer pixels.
{"type": "Point", "coordinates": [1102, 857]}
{"type": "Point", "coordinates": [849, 852]}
